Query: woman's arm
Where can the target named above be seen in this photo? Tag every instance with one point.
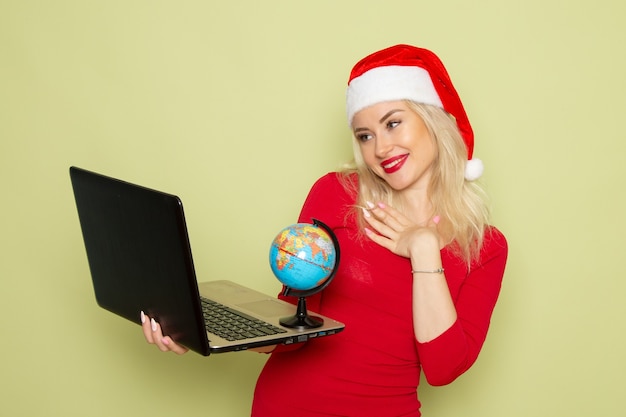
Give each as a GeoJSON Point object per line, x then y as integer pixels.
{"type": "Point", "coordinates": [454, 351]}
{"type": "Point", "coordinates": [449, 329]}
{"type": "Point", "coordinates": [433, 309]}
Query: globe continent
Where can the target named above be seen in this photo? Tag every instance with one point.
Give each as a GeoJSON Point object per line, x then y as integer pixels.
{"type": "Point", "coordinates": [302, 256]}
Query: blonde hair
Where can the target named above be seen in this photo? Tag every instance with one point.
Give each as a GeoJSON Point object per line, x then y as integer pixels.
{"type": "Point", "coordinates": [461, 204]}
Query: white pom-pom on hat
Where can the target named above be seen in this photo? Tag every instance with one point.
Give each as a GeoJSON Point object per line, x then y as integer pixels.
{"type": "Point", "coordinates": [474, 169]}
{"type": "Point", "coordinates": [407, 72]}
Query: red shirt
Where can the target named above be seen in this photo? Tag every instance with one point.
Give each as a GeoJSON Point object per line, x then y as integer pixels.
{"type": "Point", "coordinates": [373, 367]}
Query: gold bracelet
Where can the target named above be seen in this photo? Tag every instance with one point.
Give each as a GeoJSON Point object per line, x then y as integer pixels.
{"type": "Point", "coordinates": [434, 271]}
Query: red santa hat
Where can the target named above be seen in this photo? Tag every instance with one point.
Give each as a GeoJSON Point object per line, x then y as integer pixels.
{"type": "Point", "coordinates": [405, 72]}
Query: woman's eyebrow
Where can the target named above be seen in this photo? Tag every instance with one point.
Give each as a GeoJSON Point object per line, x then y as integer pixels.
{"type": "Point", "coordinates": [388, 115]}
{"type": "Point", "coordinates": [382, 119]}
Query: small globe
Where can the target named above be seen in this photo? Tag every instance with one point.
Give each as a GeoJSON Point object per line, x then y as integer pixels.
{"type": "Point", "coordinates": [303, 256]}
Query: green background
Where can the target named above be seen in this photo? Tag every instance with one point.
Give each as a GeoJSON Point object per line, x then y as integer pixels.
{"type": "Point", "coordinates": [238, 107]}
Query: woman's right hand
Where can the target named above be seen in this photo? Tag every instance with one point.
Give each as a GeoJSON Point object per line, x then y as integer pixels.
{"type": "Point", "coordinates": [153, 334]}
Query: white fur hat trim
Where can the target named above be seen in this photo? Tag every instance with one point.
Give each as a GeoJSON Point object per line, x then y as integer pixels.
{"type": "Point", "coordinates": [390, 83]}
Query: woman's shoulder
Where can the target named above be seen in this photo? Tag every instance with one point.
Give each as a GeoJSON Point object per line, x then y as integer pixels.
{"type": "Point", "coordinates": [339, 178]}
{"type": "Point", "coordinates": [330, 199]}
{"type": "Point", "coordinates": [337, 183]}
{"type": "Point", "coordinates": [494, 244]}
{"type": "Point", "coordinates": [494, 236]}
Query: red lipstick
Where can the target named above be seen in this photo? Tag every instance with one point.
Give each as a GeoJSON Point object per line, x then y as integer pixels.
{"type": "Point", "coordinates": [392, 165]}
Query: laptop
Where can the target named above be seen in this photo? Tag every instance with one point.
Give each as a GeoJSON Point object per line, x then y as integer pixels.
{"type": "Point", "coordinates": [140, 259]}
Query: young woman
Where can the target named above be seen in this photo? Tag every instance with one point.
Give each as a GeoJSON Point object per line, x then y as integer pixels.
{"type": "Point", "coordinates": [421, 267]}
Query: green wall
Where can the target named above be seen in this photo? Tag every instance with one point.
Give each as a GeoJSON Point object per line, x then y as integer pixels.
{"type": "Point", "coordinates": [238, 107]}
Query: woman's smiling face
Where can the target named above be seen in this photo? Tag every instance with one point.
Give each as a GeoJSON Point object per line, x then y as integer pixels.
{"type": "Point", "coordinates": [395, 144]}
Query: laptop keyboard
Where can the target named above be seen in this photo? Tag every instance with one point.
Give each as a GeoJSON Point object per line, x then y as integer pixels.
{"type": "Point", "coordinates": [232, 324]}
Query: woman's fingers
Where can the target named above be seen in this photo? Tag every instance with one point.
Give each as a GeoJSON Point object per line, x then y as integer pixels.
{"type": "Point", "coordinates": [173, 346]}
{"type": "Point", "coordinates": [381, 240]}
{"type": "Point", "coordinates": [376, 224]}
{"type": "Point", "coordinates": [385, 220]}
{"type": "Point", "coordinates": [157, 336]}
{"type": "Point", "coordinates": [389, 216]}
{"type": "Point", "coordinates": [146, 327]}
{"type": "Point", "coordinates": [154, 335]}
{"type": "Point", "coordinates": [391, 229]}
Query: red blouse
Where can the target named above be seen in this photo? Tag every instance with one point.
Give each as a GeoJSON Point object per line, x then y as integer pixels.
{"type": "Point", "coordinates": [373, 367]}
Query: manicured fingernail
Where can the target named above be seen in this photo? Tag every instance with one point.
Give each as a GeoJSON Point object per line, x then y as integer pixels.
{"type": "Point", "coordinates": [153, 325]}
{"type": "Point", "coordinates": [367, 231]}
{"type": "Point", "coordinates": [165, 341]}
{"type": "Point", "coordinates": [436, 219]}
{"type": "Point", "coordinates": [382, 205]}
{"type": "Point", "coordinates": [370, 204]}
{"type": "Point", "coordinates": [366, 213]}
{"type": "Point", "coordinates": [143, 317]}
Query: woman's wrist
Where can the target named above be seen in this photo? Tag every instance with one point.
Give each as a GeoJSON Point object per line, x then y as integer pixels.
{"type": "Point", "coordinates": [424, 241]}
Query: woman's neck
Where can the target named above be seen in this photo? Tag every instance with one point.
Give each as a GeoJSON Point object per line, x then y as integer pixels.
{"type": "Point", "coordinates": [416, 205]}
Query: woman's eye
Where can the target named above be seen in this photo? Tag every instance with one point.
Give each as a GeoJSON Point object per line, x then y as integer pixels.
{"type": "Point", "coordinates": [364, 137]}
{"type": "Point", "coordinates": [392, 123]}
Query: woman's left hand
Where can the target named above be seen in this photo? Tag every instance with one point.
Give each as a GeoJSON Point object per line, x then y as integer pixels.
{"type": "Point", "coordinates": [396, 232]}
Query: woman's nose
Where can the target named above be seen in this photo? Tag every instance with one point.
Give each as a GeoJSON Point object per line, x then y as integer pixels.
{"type": "Point", "coordinates": [383, 146]}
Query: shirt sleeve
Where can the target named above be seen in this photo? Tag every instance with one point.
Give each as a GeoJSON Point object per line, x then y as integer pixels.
{"type": "Point", "coordinates": [453, 352]}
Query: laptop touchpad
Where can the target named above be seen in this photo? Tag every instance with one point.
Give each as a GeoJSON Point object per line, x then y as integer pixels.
{"type": "Point", "coordinates": [269, 308]}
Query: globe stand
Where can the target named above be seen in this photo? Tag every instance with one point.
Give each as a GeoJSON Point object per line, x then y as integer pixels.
{"type": "Point", "coordinates": [302, 320]}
